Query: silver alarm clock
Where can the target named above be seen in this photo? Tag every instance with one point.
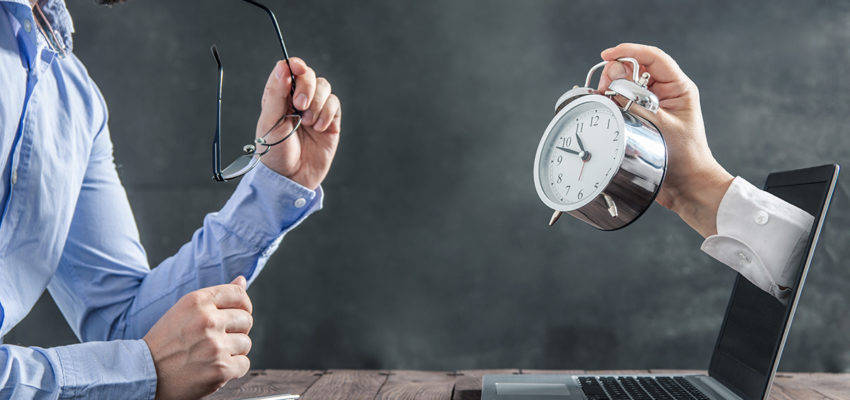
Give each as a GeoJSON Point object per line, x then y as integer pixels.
{"type": "Point", "coordinates": [597, 161]}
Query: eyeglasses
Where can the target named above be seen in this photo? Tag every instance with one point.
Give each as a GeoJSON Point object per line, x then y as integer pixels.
{"type": "Point", "coordinates": [47, 31]}
{"type": "Point", "coordinates": [262, 144]}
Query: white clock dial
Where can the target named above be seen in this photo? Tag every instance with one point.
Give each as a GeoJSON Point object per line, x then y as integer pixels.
{"type": "Point", "coordinates": [580, 153]}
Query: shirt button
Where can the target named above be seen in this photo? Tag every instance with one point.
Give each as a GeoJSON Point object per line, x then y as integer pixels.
{"type": "Point", "coordinates": [27, 25]}
{"type": "Point", "coordinates": [745, 259]}
{"type": "Point", "coordinates": [300, 203]}
{"type": "Point", "coordinates": [761, 218]}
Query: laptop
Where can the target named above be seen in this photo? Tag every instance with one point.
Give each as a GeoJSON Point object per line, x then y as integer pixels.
{"type": "Point", "coordinates": [751, 338]}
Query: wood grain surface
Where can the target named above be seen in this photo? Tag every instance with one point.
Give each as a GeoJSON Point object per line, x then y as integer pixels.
{"type": "Point", "coordinates": [466, 384]}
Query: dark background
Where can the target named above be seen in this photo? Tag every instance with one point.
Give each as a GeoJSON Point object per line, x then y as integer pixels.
{"type": "Point", "coordinates": [432, 251]}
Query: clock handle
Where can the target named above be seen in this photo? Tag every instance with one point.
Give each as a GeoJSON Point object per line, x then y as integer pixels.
{"type": "Point", "coordinates": [635, 69]}
{"type": "Point", "coordinates": [592, 70]}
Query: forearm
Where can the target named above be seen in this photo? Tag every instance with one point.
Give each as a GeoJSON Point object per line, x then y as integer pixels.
{"type": "Point", "coordinates": [238, 240]}
{"type": "Point", "coordinates": [697, 201]}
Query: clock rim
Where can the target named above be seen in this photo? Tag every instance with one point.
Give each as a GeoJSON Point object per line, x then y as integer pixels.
{"type": "Point", "coordinates": [618, 115]}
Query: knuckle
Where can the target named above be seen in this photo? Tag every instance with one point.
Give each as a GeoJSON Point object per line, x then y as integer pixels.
{"type": "Point", "coordinates": [196, 298]}
{"type": "Point", "coordinates": [206, 321]}
{"type": "Point", "coordinates": [237, 290]}
{"type": "Point", "coordinates": [214, 348]}
{"type": "Point", "coordinates": [323, 82]}
{"type": "Point", "coordinates": [692, 87]}
{"type": "Point", "coordinates": [247, 301]}
{"type": "Point", "coordinates": [220, 372]}
{"type": "Point", "coordinates": [245, 367]}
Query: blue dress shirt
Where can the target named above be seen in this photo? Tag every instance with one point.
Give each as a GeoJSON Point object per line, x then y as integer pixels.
{"type": "Point", "coordinates": [66, 225]}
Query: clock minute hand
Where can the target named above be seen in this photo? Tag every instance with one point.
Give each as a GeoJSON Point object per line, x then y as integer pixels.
{"type": "Point", "coordinates": [571, 151]}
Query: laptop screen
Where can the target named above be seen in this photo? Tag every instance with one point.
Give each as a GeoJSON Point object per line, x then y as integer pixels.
{"type": "Point", "coordinates": [754, 328]}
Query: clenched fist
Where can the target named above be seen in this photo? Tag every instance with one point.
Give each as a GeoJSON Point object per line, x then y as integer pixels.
{"type": "Point", "coordinates": [202, 342]}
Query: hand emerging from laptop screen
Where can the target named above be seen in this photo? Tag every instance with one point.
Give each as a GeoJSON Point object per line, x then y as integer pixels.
{"type": "Point", "coordinates": [695, 182]}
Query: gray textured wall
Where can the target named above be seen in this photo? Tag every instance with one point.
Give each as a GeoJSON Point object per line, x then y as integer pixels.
{"type": "Point", "coordinates": [432, 251]}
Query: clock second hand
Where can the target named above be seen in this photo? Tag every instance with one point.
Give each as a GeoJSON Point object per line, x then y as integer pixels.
{"type": "Point", "coordinates": [584, 155]}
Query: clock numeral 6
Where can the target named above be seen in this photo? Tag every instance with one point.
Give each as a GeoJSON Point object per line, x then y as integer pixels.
{"type": "Point", "coordinates": [580, 194]}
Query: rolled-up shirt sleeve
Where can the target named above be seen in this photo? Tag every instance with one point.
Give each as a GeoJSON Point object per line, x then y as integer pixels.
{"type": "Point", "coordinates": [761, 236]}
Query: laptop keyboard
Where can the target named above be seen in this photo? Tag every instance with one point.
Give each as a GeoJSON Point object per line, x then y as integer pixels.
{"type": "Point", "coordinates": [639, 388]}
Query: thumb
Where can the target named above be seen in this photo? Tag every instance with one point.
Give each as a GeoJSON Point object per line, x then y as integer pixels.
{"type": "Point", "coordinates": [275, 100]}
{"type": "Point", "coordinates": [613, 71]}
{"type": "Point", "coordinates": [240, 281]}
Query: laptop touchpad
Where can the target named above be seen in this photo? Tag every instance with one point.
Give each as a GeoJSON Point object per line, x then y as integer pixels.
{"type": "Point", "coordinates": [506, 389]}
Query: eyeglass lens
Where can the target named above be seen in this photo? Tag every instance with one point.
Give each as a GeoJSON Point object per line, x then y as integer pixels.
{"type": "Point", "coordinates": [240, 166]}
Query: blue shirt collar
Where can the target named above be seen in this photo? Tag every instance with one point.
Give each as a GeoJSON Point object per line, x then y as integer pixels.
{"type": "Point", "coordinates": [58, 16]}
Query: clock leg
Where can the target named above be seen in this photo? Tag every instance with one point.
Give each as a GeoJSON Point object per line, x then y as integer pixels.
{"type": "Point", "coordinates": [555, 217]}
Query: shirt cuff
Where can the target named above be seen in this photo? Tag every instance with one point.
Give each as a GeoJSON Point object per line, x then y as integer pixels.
{"type": "Point", "coordinates": [759, 235]}
{"type": "Point", "coordinates": [265, 206]}
{"type": "Point", "coordinates": [104, 370]}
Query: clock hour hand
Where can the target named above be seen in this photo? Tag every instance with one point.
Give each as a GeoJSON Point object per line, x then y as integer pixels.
{"type": "Point", "coordinates": [578, 140]}
{"type": "Point", "coordinates": [571, 151]}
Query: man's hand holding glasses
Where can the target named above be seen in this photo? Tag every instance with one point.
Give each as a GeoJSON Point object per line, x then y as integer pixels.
{"type": "Point", "coordinates": [298, 129]}
{"type": "Point", "coordinates": [306, 156]}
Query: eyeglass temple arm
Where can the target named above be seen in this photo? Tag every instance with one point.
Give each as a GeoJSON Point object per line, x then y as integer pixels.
{"type": "Point", "coordinates": [217, 139]}
{"type": "Point", "coordinates": [276, 26]}
{"type": "Point", "coordinates": [282, 44]}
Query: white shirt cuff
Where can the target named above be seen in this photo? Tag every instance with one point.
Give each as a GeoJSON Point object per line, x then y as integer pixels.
{"type": "Point", "coordinates": [759, 235]}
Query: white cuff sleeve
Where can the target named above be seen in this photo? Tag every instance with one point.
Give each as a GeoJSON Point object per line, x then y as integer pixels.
{"type": "Point", "coordinates": [759, 235]}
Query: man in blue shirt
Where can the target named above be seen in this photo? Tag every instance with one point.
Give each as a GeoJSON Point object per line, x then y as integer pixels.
{"type": "Point", "coordinates": [66, 225]}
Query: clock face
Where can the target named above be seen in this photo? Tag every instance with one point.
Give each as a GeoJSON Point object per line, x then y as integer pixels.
{"type": "Point", "coordinates": [580, 153]}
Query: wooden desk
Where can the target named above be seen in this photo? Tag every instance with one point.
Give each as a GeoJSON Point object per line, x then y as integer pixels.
{"type": "Point", "coordinates": [464, 385]}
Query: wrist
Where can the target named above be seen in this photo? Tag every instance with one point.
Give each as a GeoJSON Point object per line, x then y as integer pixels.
{"type": "Point", "coordinates": [698, 200]}
{"type": "Point", "coordinates": [293, 173]}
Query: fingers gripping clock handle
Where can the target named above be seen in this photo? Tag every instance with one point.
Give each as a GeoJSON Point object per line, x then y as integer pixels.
{"type": "Point", "coordinates": [635, 69]}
